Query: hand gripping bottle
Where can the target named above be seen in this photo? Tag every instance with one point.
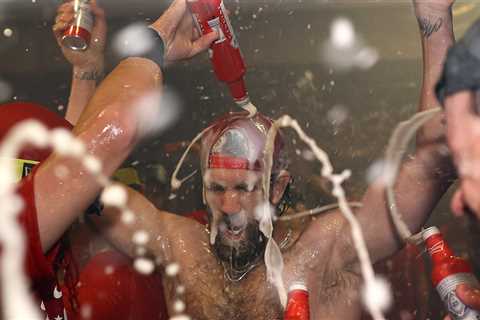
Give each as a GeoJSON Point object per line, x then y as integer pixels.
{"type": "Point", "coordinates": [77, 35]}
{"type": "Point", "coordinates": [448, 271]}
{"type": "Point", "coordinates": [297, 305]}
{"type": "Point", "coordinates": [225, 53]}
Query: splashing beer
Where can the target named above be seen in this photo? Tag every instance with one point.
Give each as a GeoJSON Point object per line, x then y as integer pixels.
{"type": "Point", "coordinates": [77, 35]}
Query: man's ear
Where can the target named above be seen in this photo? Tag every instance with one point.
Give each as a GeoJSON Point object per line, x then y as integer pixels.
{"type": "Point", "coordinates": [281, 183]}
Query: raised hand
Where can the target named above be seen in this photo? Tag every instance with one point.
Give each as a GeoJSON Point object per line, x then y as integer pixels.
{"type": "Point", "coordinates": [92, 59]}
{"type": "Point", "coordinates": [469, 296]}
{"type": "Point", "coordinates": [181, 37]}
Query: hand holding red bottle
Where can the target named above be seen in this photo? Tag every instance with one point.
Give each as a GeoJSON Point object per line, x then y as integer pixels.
{"type": "Point", "coordinates": [470, 296]}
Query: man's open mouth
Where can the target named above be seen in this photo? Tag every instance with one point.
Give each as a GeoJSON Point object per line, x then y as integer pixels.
{"type": "Point", "coordinates": [234, 232]}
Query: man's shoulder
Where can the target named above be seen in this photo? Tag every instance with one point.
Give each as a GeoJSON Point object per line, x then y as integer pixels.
{"type": "Point", "coordinates": [327, 234]}
{"type": "Point", "coordinates": [308, 230]}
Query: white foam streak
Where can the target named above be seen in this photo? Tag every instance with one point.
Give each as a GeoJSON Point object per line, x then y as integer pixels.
{"type": "Point", "coordinates": [273, 256]}
{"type": "Point", "coordinates": [397, 145]}
{"type": "Point", "coordinates": [177, 183]}
{"type": "Point", "coordinates": [252, 110]}
{"type": "Point", "coordinates": [337, 179]}
{"type": "Point", "coordinates": [16, 299]}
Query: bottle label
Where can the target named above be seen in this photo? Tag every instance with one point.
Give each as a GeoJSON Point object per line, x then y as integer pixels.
{"type": "Point", "coordinates": [457, 309]}
{"type": "Point", "coordinates": [227, 27]}
{"type": "Point", "coordinates": [215, 25]}
{"type": "Point", "coordinates": [83, 15]}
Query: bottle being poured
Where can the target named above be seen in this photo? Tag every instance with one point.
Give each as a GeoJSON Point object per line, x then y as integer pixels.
{"type": "Point", "coordinates": [227, 60]}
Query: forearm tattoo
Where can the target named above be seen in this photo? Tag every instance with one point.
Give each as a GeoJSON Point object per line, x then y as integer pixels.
{"type": "Point", "coordinates": [429, 26]}
{"type": "Point", "coordinates": [89, 75]}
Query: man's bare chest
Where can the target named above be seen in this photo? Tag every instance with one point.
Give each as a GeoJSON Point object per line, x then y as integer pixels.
{"type": "Point", "coordinates": [209, 294]}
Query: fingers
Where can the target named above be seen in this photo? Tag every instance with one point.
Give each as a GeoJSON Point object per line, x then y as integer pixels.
{"type": "Point", "coordinates": [470, 296]}
{"type": "Point", "coordinates": [100, 27]}
{"type": "Point", "coordinates": [65, 16]}
{"type": "Point", "coordinates": [447, 317]}
{"type": "Point", "coordinates": [203, 43]}
{"type": "Point", "coordinates": [169, 21]}
{"type": "Point", "coordinates": [65, 7]}
{"type": "Point", "coordinates": [98, 12]}
{"type": "Point", "coordinates": [174, 15]}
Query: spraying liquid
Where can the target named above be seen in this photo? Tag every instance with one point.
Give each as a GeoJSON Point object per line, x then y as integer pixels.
{"type": "Point", "coordinates": [273, 256]}
{"type": "Point", "coordinates": [227, 60]}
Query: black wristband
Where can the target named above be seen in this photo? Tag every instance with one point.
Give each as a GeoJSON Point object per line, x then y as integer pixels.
{"type": "Point", "coordinates": [157, 50]}
{"type": "Point", "coordinates": [461, 70]}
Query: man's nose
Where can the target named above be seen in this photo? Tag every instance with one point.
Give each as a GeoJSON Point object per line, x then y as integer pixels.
{"type": "Point", "coordinates": [230, 202]}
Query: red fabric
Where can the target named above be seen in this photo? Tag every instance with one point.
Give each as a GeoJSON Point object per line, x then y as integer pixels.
{"type": "Point", "coordinates": [218, 161]}
{"type": "Point", "coordinates": [12, 113]}
{"type": "Point", "coordinates": [110, 288]}
{"type": "Point", "coordinates": [39, 267]}
{"type": "Point", "coordinates": [123, 294]}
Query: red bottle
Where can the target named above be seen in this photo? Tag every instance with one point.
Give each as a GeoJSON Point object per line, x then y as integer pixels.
{"type": "Point", "coordinates": [297, 305]}
{"type": "Point", "coordinates": [225, 53]}
{"type": "Point", "coordinates": [448, 271]}
{"type": "Point", "coordinates": [77, 35]}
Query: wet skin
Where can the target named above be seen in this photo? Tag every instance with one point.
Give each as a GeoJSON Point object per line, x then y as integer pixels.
{"type": "Point", "coordinates": [324, 265]}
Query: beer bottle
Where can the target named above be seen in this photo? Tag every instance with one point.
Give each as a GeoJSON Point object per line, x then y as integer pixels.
{"type": "Point", "coordinates": [449, 271]}
{"type": "Point", "coordinates": [297, 305]}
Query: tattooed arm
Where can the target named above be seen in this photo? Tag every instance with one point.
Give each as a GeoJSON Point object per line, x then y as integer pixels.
{"type": "Point", "coordinates": [429, 25]}
{"type": "Point", "coordinates": [88, 64]}
{"type": "Point", "coordinates": [424, 177]}
{"type": "Point", "coordinates": [436, 28]}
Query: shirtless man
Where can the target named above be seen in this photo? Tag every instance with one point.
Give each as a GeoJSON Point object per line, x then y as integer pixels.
{"type": "Point", "coordinates": [227, 279]}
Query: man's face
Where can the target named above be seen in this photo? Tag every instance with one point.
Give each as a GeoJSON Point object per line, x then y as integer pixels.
{"type": "Point", "coordinates": [232, 196]}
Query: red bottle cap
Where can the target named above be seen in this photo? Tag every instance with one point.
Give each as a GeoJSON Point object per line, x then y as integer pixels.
{"type": "Point", "coordinates": [297, 306]}
{"type": "Point", "coordinates": [427, 233]}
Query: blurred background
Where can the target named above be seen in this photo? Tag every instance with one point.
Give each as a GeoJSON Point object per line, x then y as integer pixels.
{"type": "Point", "coordinates": [351, 111]}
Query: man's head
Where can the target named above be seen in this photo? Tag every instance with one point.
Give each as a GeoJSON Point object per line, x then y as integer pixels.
{"type": "Point", "coordinates": [232, 156]}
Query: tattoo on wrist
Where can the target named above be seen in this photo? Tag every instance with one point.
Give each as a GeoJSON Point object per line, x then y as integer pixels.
{"type": "Point", "coordinates": [429, 26]}
{"type": "Point", "coordinates": [88, 75]}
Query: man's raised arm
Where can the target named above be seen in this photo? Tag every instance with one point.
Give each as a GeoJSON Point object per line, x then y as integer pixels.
{"type": "Point", "coordinates": [424, 178]}
{"type": "Point", "coordinates": [109, 126]}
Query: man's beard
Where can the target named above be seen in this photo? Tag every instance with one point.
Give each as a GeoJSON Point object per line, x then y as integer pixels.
{"type": "Point", "coordinates": [239, 256]}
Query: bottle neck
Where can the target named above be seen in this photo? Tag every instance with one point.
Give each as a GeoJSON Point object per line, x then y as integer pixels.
{"type": "Point", "coordinates": [238, 89]}
{"type": "Point", "coordinates": [438, 248]}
